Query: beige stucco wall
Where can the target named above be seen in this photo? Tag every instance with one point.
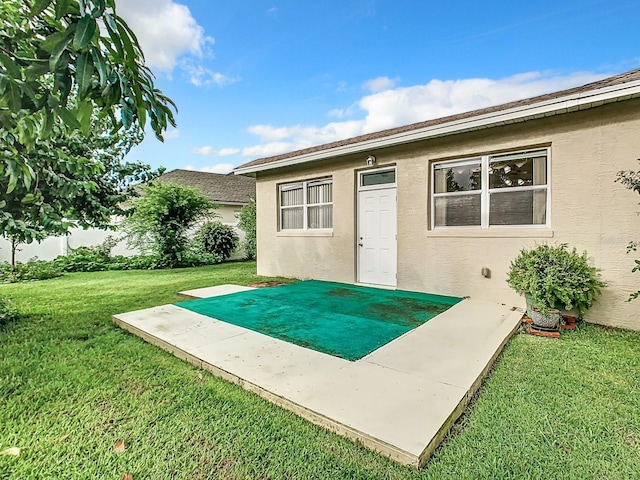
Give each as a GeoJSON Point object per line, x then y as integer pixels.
{"type": "Point", "coordinates": [588, 210]}
{"type": "Point", "coordinates": [227, 214]}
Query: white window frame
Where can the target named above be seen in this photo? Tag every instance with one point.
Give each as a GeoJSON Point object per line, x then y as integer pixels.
{"type": "Point", "coordinates": [485, 192]}
{"type": "Point", "coordinates": [305, 204]}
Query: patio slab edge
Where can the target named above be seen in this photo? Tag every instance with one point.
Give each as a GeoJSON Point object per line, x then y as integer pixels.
{"type": "Point", "coordinates": [438, 438]}
{"type": "Point", "coordinates": [392, 452]}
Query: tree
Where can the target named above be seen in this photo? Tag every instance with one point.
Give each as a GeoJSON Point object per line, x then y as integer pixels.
{"type": "Point", "coordinates": [65, 65]}
{"type": "Point", "coordinates": [631, 180]}
{"type": "Point", "coordinates": [247, 223]}
{"type": "Point", "coordinates": [86, 194]}
{"type": "Point", "coordinates": [162, 216]}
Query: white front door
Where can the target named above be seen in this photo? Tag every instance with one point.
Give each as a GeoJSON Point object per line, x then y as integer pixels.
{"type": "Point", "coordinates": [376, 240]}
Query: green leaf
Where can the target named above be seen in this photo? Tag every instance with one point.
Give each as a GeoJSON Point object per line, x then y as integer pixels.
{"type": "Point", "coordinates": [67, 117]}
{"type": "Point", "coordinates": [62, 8]}
{"type": "Point", "coordinates": [85, 31]}
{"type": "Point", "coordinates": [13, 97]}
{"type": "Point", "coordinates": [13, 175]}
{"type": "Point", "coordinates": [39, 6]}
{"type": "Point", "coordinates": [26, 131]}
{"type": "Point", "coordinates": [126, 41]}
{"type": "Point", "coordinates": [100, 65]}
{"type": "Point", "coordinates": [84, 73]}
{"type": "Point", "coordinates": [28, 198]}
{"type": "Point", "coordinates": [36, 69]}
{"type": "Point", "coordinates": [28, 91]}
{"type": "Point", "coordinates": [98, 10]}
{"type": "Point", "coordinates": [85, 111]}
{"type": "Point", "coordinates": [112, 29]}
{"type": "Point", "coordinates": [59, 50]}
{"type": "Point", "coordinates": [47, 123]}
{"type": "Point", "coordinates": [63, 84]}
{"type": "Point", "coordinates": [50, 42]}
{"type": "Point", "coordinates": [12, 69]}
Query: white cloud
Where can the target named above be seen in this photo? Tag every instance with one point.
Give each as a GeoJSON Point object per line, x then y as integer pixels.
{"type": "Point", "coordinates": [202, 76]}
{"type": "Point", "coordinates": [380, 84]}
{"type": "Point", "coordinates": [209, 151]}
{"type": "Point", "coordinates": [171, 134]}
{"type": "Point", "coordinates": [298, 136]}
{"type": "Point", "coordinates": [222, 168]}
{"type": "Point", "coordinates": [440, 98]}
{"type": "Point", "coordinates": [403, 106]}
{"type": "Point", "coordinates": [268, 149]}
{"type": "Point", "coordinates": [338, 112]}
{"type": "Point", "coordinates": [165, 29]}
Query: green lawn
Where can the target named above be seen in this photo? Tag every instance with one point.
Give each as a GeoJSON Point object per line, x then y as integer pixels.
{"type": "Point", "coordinates": [72, 384]}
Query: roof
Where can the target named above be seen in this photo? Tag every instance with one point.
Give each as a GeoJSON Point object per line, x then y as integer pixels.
{"type": "Point", "coordinates": [619, 87]}
{"type": "Point", "coordinates": [234, 189]}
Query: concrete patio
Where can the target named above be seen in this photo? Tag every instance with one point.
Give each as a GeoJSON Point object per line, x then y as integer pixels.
{"type": "Point", "coordinates": [400, 400]}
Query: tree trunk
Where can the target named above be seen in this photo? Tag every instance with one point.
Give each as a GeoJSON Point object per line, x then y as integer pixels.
{"type": "Point", "coordinates": [14, 247]}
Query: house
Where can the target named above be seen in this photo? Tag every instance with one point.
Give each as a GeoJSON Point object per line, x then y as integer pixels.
{"type": "Point", "coordinates": [230, 192]}
{"type": "Point", "coordinates": [443, 206]}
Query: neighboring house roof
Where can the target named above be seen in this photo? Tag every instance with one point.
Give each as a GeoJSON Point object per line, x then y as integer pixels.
{"type": "Point", "coordinates": [612, 89]}
{"type": "Point", "coordinates": [229, 189]}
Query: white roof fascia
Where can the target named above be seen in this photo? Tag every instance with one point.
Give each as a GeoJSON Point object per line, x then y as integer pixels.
{"type": "Point", "coordinates": [545, 108]}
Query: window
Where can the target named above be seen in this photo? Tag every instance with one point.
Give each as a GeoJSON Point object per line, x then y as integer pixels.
{"type": "Point", "coordinates": [491, 191]}
{"type": "Point", "coordinates": [306, 205]}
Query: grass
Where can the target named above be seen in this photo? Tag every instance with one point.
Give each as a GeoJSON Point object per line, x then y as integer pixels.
{"type": "Point", "coordinates": [72, 384]}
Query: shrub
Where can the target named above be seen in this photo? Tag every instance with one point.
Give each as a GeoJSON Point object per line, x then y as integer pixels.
{"type": "Point", "coordinates": [87, 259]}
{"type": "Point", "coordinates": [247, 223]}
{"type": "Point", "coordinates": [8, 312]}
{"type": "Point", "coordinates": [31, 270]}
{"type": "Point", "coordinates": [555, 277]}
{"type": "Point", "coordinates": [216, 238]}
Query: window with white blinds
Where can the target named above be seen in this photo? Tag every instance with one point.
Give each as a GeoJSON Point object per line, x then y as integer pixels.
{"type": "Point", "coordinates": [306, 205]}
{"type": "Point", "coordinates": [492, 191]}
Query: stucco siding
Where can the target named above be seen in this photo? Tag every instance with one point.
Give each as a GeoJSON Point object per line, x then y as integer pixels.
{"type": "Point", "coordinates": [588, 210]}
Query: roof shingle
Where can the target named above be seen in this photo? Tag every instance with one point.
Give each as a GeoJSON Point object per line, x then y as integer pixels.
{"type": "Point", "coordinates": [217, 187]}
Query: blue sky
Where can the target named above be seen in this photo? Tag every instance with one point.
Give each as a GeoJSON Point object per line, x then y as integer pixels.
{"type": "Point", "coordinates": [257, 78]}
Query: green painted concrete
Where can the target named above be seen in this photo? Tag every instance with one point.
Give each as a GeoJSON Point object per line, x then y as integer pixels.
{"type": "Point", "coordinates": [343, 320]}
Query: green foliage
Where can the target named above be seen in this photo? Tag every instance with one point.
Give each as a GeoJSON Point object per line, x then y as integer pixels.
{"type": "Point", "coordinates": [631, 180]}
{"type": "Point", "coordinates": [8, 312]}
{"type": "Point", "coordinates": [95, 259]}
{"type": "Point", "coordinates": [216, 238]}
{"type": "Point", "coordinates": [27, 271]}
{"type": "Point", "coordinates": [53, 50]}
{"type": "Point", "coordinates": [247, 223]}
{"type": "Point", "coordinates": [87, 259]}
{"type": "Point", "coordinates": [98, 258]}
{"type": "Point", "coordinates": [161, 219]}
{"type": "Point", "coordinates": [555, 277]}
{"type": "Point", "coordinates": [72, 76]}
{"type": "Point", "coordinates": [82, 181]}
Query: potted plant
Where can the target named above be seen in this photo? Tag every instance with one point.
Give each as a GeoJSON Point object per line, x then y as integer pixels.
{"type": "Point", "coordinates": [552, 278]}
